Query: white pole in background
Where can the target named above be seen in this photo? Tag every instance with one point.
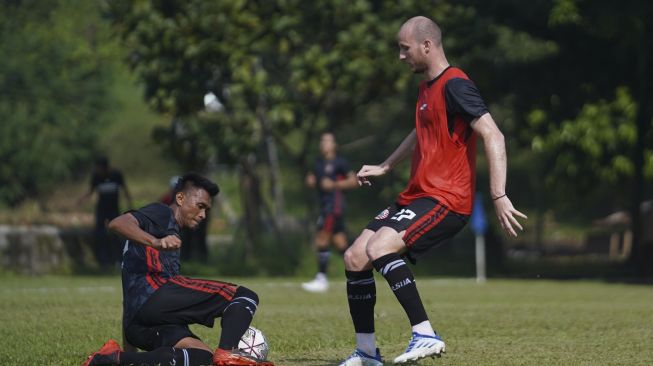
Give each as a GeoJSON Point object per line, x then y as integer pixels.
{"type": "Point", "coordinates": [479, 226]}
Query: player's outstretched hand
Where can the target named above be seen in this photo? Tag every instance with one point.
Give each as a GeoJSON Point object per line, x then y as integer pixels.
{"type": "Point", "coordinates": [506, 214]}
{"type": "Point", "coordinates": [369, 171]}
{"type": "Point", "coordinates": [170, 242]}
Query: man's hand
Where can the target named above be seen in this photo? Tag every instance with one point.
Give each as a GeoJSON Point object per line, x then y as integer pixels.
{"type": "Point", "coordinates": [327, 184]}
{"type": "Point", "coordinates": [170, 242]}
{"type": "Point", "coordinates": [310, 180]}
{"type": "Point", "coordinates": [505, 211]}
{"type": "Point", "coordinates": [370, 171]}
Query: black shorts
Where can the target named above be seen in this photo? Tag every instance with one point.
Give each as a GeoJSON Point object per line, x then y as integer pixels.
{"type": "Point", "coordinates": [163, 320]}
{"type": "Point", "coordinates": [331, 223]}
{"type": "Point", "coordinates": [427, 224]}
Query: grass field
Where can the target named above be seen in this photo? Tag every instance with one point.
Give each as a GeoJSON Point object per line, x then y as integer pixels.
{"type": "Point", "coordinates": [59, 320]}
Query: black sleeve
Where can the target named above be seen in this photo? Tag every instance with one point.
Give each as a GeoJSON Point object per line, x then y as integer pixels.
{"type": "Point", "coordinates": [343, 166]}
{"type": "Point", "coordinates": [119, 178]}
{"type": "Point", "coordinates": [318, 169]}
{"type": "Point", "coordinates": [463, 98]}
{"type": "Point", "coordinates": [94, 181]}
{"type": "Point", "coordinates": [153, 218]}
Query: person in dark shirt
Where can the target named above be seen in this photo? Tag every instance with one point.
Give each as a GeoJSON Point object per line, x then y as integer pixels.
{"type": "Point", "coordinates": [331, 176]}
{"type": "Point", "coordinates": [108, 183]}
{"type": "Point", "coordinates": [437, 201]}
{"type": "Point", "coordinates": [159, 303]}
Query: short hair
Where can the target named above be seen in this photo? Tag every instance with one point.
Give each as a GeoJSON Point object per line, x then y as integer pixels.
{"type": "Point", "coordinates": [196, 180]}
{"type": "Point", "coordinates": [424, 28]}
{"type": "Point", "coordinates": [328, 133]}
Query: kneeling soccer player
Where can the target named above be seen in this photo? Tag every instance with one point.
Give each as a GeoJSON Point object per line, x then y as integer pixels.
{"type": "Point", "coordinates": [159, 304]}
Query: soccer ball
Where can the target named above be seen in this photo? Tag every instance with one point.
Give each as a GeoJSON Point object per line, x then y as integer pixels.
{"type": "Point", "coordinates": [254, 344]}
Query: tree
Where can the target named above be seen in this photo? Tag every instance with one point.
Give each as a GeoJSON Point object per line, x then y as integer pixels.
{"type": "Point", "coordinates": [53, 82]}
{"type": "Point", "coordinates": [586, 103]}
{"type": "Point", "coordinates": [283, 70]}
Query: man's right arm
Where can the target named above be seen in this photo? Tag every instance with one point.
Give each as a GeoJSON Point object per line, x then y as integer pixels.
{"type": "Point", "coordinates": [401, 152]}
{"type": "Point", "coordinates": [127, 226]}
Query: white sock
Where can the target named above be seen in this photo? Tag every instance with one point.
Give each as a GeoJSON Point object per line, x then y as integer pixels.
{"type": "Point", "coordinates": [321, 277]}
{"type": "Point", "coordinates": [424, 328]}
{"type": "Point", "coordinates": [366, 342]}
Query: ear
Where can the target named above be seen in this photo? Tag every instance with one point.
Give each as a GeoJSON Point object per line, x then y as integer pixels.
{"type": "Point", "coordinates": [179, 198]}
{"type": "Point", "coordinates": [428, 45]}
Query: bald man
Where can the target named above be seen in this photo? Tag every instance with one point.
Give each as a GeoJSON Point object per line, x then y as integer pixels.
{"type": "Point", "coordinates": [437, 202]}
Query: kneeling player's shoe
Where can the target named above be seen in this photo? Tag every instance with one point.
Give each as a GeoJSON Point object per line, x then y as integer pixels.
{"type": "Point", "coordinates": [319, 284]}
{"type": "Point", "coordinates": [421, 346]}
{"type": "Point", "coordinates": [360, 358]}
{"type": "Point", "coordinates": [108, 355]}
{"type": "Point", "coordinates": [236, 357]}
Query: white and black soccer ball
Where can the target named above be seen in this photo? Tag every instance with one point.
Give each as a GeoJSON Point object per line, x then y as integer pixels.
{"type": "Point", "coordinates": [253, 343]}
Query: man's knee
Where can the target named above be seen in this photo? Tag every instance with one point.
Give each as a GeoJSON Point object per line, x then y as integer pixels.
{"type": "Point", "coordinates": [355, 257]}
{"type": "Point", "coordinates": [384, 241]}
{"type": "Point", "coordinates": [243, 294]}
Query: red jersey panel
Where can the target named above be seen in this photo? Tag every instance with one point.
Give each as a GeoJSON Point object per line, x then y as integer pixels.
{"type": "Point", "coordinates": [443, 165]}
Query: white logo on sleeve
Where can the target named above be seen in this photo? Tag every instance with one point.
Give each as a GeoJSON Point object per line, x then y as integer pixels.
{"type": "Point", "coordinates": [423, 107]}
{"type": "Point", "coordinates": [403, 214]}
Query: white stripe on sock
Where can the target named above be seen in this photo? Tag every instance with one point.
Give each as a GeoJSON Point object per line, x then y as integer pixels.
{"type": "Point", "coordinates": [392, 265]}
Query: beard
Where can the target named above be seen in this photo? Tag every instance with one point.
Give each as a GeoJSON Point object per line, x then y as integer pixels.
{"type": "Point", "coordinates": [419, 68]}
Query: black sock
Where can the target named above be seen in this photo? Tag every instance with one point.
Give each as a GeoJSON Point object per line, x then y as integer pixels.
{"type": "Point", "coordinates": [237, 317]}
{"type": "Point", "coordinates": [168, 356]}
{"type": "Point", "coordinates": [323, 260]}
{"type": "Point", "coordinates": [361, 295]}
{"type": "Point", "coordinates": [402, 283]}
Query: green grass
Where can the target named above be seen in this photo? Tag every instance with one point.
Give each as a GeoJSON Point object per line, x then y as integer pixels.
{"type": "Point", "coordinates": [59, 320]}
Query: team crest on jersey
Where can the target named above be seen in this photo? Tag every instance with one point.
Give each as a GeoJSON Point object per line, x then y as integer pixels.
{"type": "Point", "coordinates": [383, 214]}
{"type": "Point", "coordinates": [328, 169]}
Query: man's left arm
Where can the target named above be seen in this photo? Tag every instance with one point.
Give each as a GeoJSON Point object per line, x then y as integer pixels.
{"type": "Point", "coordinates": [495, 153]}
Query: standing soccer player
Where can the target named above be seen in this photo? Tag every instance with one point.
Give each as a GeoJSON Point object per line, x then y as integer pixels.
{"type": "Point", "coordinates": [331, 176]}
{"type": "Point", "coordinates": [437, 201]}
{"type": "Point", "coordinates": [108, 183]}
{"type": "Point", "coordinates": [159, 303]}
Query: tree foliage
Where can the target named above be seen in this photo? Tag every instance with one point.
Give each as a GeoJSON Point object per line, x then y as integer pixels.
{"type": "Point", "coordinates": [53, 82]}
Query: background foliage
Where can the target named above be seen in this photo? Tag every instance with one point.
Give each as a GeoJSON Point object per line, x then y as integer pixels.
{"type": "Point", "coordinates": [567, 80]}
{"type": "Point", "coordinates": [54, 72]}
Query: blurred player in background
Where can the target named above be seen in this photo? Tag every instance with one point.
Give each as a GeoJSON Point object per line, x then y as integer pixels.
{"type": "Point", "coordinates": [159, 303]}
{"type": "Point", "coordinates": [331, 176]}
{"type": "Point", "coordinates": [449, 115]}
{"type": "Point", "coordinates": [108, 183]}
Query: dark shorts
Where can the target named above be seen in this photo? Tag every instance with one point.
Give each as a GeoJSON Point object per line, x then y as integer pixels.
{"type": "Point", "coordinates": [163, 320]}
{"type": "Point", "coordinates": [331, 223]}
{"type": "Point", "coordinates": [427, 224]}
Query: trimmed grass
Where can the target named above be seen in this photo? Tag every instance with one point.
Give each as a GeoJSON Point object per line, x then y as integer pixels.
{"type": "Point", "coordinates": [60, 320]}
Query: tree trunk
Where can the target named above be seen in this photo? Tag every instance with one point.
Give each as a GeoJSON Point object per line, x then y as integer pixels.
{"type": "Point", "coordinates": [642, 253]}
{"type": "Point", "coordinates": [251, 191]}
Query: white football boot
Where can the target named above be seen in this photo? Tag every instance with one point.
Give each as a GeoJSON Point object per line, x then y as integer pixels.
{"type": "Point", "coordinates": [360, 358]}
{"type": "Point", "coordinates": [421, 346]}
{"type": "Point", "coordinates": [319, 284]}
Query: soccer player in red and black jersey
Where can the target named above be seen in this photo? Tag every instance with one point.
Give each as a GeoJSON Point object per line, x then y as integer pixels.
{"type": "Point", "coordinates": [159, 303]}
{"type": "Point", "coordinates": [331, 176]}
{"type": "Point", "coordinates": [449, 116]}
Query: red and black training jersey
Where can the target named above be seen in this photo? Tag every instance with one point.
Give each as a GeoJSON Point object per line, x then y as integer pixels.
{"type": "Point", "coordinates": [331, 202]}
{"type": "Point", "coordinates": [444, 159]}
{"type": "Point", "coordinates": [145, 269]}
